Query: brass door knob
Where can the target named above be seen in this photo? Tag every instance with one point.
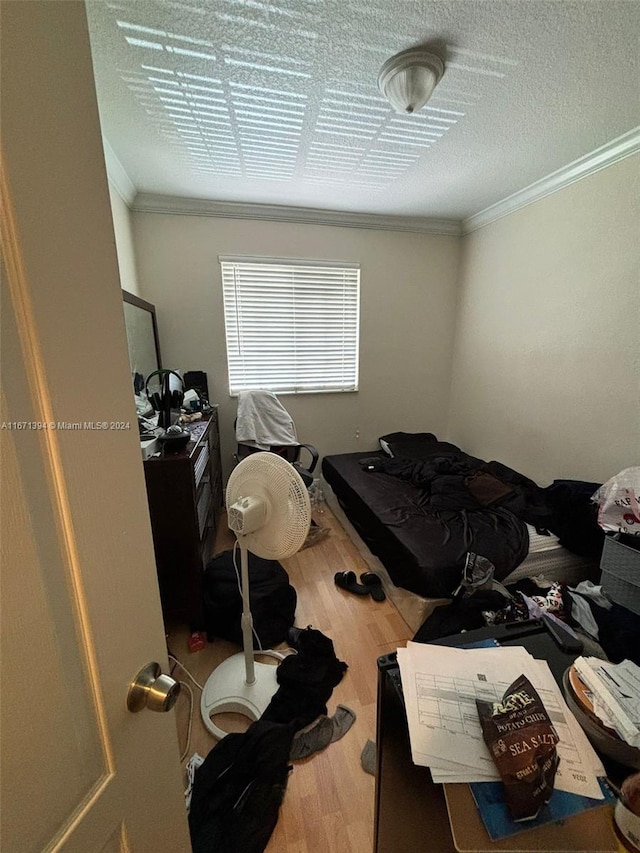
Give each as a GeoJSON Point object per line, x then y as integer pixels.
{"type": "Point", "coordinates": [150, 689]}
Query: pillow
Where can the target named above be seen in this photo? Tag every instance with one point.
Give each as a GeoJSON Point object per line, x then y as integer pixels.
{"type": "Point", "coordinates": [414, 445]}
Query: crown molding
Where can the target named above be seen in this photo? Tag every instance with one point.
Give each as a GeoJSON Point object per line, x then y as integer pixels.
{"type": "Point", "coordinates": [117, 175]}
{"type": "Point", "coordinates": [151, 203]}
{"type": "Point", "coordinates": [606, 155]}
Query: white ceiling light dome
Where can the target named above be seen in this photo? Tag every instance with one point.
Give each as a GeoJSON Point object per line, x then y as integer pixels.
{"type": "Point", "coordinates": [408, 79]}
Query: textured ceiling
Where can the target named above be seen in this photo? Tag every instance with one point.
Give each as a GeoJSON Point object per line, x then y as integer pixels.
{"type": "Point", "coordinates": [276, 101]}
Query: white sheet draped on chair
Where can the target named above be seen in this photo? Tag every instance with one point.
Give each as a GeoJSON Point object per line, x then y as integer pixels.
{"type": "Point", "coordinates": [263, 422]}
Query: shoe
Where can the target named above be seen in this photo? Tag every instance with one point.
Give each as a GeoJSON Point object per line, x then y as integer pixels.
{"type": "Point", "coordinates": [348, 581]}
{"type": "Point", "coordinates": [374, 585]}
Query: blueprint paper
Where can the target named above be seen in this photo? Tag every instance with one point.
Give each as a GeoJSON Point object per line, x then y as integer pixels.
{"type": "Point", "coordinates": [440, 686]}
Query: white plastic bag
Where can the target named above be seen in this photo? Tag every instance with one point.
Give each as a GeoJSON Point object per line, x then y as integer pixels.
{"type": "Point", "coordinates": [619, 503]}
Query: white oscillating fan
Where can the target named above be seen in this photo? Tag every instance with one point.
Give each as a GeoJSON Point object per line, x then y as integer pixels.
{"type": "Point", "coordinates": [268, 509]}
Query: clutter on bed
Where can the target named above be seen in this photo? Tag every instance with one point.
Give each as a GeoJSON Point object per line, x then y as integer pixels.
{"type": "Point", "coordinates": [423, 550]}
{"type": "Point", "coordinates": [419, 516]}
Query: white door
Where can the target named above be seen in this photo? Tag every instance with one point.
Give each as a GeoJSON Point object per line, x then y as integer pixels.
{"type": "Point", "coordinates": [80, 603]}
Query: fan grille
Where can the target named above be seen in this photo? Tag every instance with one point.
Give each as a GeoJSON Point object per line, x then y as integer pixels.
{"type": "Point", "coordinates": [288, 511]}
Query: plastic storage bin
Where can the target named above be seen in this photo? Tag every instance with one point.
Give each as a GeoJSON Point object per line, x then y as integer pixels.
{"type": "Point", "coordinates": [620, 566]}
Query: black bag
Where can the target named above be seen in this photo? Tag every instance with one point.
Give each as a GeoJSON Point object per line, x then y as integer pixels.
{"type": "Point", "coordinates": [273, 600]}
{"type": "Point", "coordinates": [238, 790]}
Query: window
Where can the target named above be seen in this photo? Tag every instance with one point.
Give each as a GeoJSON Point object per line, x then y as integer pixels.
{"type": "Point", "coordinates": [291, 326]}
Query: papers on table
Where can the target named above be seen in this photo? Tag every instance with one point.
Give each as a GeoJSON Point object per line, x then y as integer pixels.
{"type": "Point", "coordinates": [615, 694]}
{"type": "Point", "coordinates": [440, 686]}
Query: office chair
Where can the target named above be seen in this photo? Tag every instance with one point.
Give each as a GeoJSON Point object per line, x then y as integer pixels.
{"type": "Point", "coordinates": [262, 423]}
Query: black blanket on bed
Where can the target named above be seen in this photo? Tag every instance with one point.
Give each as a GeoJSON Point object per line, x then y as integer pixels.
{"type": "Point", "coordinates": [423, 551]}
{"type": "Point", "coordinates": [421, 516]}
{"type": "Point", "coordinates": [457, 481]}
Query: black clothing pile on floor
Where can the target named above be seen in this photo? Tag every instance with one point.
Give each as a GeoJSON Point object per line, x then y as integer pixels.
{"type": "Point", "coordinates": [306, 681]}
{"type": "Point", "coordinates": [616, 629]}
{"type": "Point", "coordinates": [238, 790]}
{"type": "Point", "coordinates": [463, 614]}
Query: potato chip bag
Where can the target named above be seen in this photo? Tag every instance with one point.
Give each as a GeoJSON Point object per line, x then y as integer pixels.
{"type": "Point", "coordinates": [522, 741]}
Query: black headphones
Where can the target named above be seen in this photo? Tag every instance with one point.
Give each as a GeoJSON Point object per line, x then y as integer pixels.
{"type": "Point", "coordinates": [166, 399]}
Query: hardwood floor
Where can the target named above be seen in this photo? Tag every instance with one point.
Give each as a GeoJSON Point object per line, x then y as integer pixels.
{"type": "Point", "coordinates": [328, 806]}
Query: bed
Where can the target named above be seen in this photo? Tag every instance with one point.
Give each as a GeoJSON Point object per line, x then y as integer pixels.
{"type": "Point", "coordinates": [409, 513]}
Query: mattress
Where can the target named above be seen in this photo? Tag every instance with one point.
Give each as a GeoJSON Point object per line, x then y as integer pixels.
{"type": "Point", "coordinates": [379, 514]}
{"type": "Point", "coordinates": [423, 552]}
{"type": "Point", "coordinates": [547, 557]}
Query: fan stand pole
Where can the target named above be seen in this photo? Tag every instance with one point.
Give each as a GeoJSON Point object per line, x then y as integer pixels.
{"type": "Point", "coordinates": [240, 685]}
{"type": "Point", "coordinates": [247, 619]}
{"type": "Point", "coordinates": [263, 492]}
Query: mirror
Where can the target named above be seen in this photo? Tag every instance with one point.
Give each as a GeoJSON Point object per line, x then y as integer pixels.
{"type": "Point", "coordinates": [142, 338]}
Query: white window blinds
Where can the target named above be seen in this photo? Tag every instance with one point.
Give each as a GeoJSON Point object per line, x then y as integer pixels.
{"type": "Point", "coordinates": [291, 326]}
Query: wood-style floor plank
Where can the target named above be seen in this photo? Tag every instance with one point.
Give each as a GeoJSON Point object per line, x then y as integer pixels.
{"type": "Point", "coordinates": [329, 802]}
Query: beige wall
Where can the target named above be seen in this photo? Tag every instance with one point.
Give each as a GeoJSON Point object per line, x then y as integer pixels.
{"type": "Point", "coordinates": [548, 331]}
{"type": "Point", "coordinates": [121, 216]}
{"type": "Point", "coordinates": [407, 318]}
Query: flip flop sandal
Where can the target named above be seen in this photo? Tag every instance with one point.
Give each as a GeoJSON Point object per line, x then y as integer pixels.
{"type": "Point", "coordinates": [374, 583]}
{"type": "Point", "coordinates": [348, 581]}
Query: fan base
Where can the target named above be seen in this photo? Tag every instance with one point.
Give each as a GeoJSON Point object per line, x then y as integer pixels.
{"type": "Point", "coordinates": [226, 690]}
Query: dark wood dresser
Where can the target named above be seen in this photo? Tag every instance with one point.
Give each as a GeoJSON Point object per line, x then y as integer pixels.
{"type": "Point", "coordinates": [184, 490]}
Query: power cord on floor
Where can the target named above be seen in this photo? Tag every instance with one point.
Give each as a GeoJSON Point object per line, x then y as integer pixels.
{"type": "Point", "coordinates": [184, 669]}
{"type": "Point", "coordinates": [190, 723]}
{"type": "Point", "coordinates": [191, 701]}
{"type": "Point", "coordinates": [235, 566]}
